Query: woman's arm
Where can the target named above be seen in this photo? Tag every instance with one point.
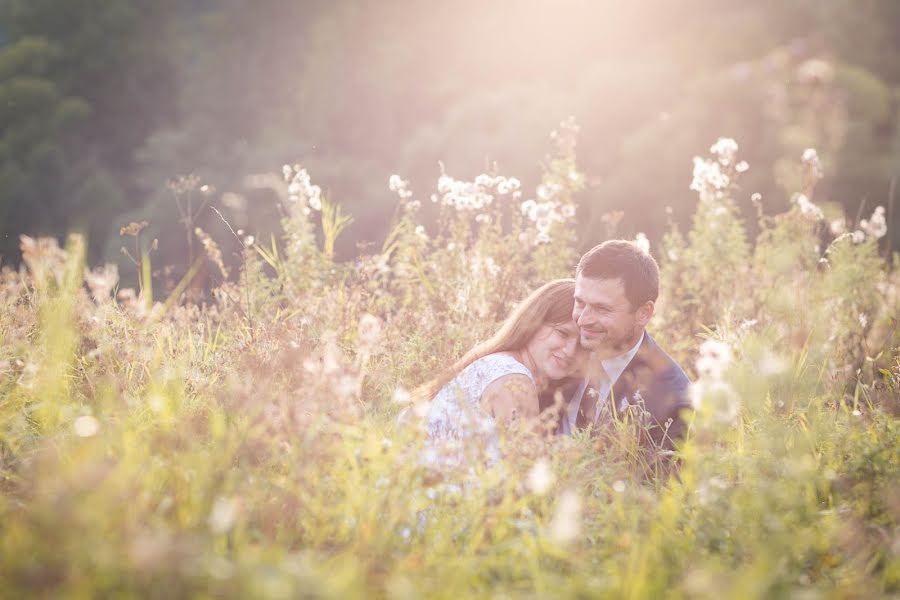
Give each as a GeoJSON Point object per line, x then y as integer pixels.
{"type": "Point", "coordinates": [511, 397]}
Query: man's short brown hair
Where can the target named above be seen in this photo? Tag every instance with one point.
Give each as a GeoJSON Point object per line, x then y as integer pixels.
{"type": "Point", "coordinates": [625, 260]}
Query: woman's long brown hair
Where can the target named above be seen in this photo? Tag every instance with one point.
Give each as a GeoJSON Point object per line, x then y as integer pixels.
{"type": "Point", "coordinates": [551, 303]}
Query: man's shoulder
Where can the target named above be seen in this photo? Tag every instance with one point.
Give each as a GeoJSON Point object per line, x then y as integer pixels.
{"type": "Point", "coordinates": [652, 355]}
{"type": "Point", "coordinates": [653, 364]}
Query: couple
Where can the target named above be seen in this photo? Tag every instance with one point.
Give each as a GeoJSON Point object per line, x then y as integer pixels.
{"type": "Point", "coordinates": [577, 347]}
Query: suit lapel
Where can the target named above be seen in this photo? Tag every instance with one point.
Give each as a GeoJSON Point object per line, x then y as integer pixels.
{"type": "Point", "coordinates": [622, 392]}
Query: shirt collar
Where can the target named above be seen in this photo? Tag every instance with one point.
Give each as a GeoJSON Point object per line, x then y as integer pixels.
{"type": "Point", "coordinates": [616, 365]}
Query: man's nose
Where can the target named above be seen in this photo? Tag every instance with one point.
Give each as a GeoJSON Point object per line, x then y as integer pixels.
{"type": "Point", "coordinates": [583, 318]}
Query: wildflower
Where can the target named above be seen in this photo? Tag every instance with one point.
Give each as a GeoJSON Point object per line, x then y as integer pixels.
{"type": "Point", "coordinates": [299, 187]}
{"type": "Point", "coordinates": [348, 386]}
{"type": "Point", "coordinates": [183, 184]}
{"type": "Point", "coordinates": [725, 150]}
{"type": "Point", "coordinates": [540, 477]}
{"type": "Point", "coordinates": [618, 486]}
{"type": "Point", "coordinates": [715, 398]}
{"type": "Point", "coordinates": [401, 395]}
{"type": "Point", "coordinates": [420, 231]}
{"type": "Point", "coordinates": [133, 228]}
{"type": "Point", "coordinates": [395, 183]}
{"type": "Point", "coordinates": [223, 515]}
{"type": "Point", "coordinates": [858, 237]}
{"type": "Point", "coordinates": [642, 242]}
{"type": "Point", "coordinates": [369, 330]}
{"type": "Point", "coordinates": [566, 521]}
{"type": "Point", "coordinates": [815, 70]}
{"type": "Point", "coordinates": [212, 251]}
{"type": "Point", "coordinates": [876, 226]}
{"type": "Point", "coordinates": [101, 281]}
{"type": "Point", "coordinates": [207, 190]}
{"type": "Point", "coordinates": [86, 426]}
{"type": "Point", "coordinates": [772, 364]}
{"type": "Point", "coordinates": [484, 180]}
{"type": "Point", "coordinates": [708, 177]}
{"type": "Point", "coordinates": [742, 167]}
{"type": "Point", "coordinates": [807, 208]}
{"type": "Point", "coordinates": [811, 162]}
{"type": "Point", "coordinates": [715, 358]}
{"type": "Point", "coordinates": [837, 227]}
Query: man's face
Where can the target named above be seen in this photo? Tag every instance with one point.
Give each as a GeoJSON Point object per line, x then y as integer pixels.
{"type": "Point", "coordinates": [607, 322]}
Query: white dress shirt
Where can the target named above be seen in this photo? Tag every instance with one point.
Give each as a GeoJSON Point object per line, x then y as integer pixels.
{"type": "Point", "coordinates": [608, 376]}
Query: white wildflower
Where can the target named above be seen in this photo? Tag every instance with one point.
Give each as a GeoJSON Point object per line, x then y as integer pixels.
{"type": "Point", "coordinates": [837, 227]}
{"type": "Point", "coordinates": [566, 523]}
{"type": "Point", "coordinates": [401, 395]}
{"type": "Point", "coordinates": [811, 161]}
{"type": "Point", "coordinates": [807, 208]}
{"type": "Point", "coordinates": [876, 226]}
{"type": "Point", "coordinates": [725, 150]}
{"type": "Point", "coordinates": [715, 358]}
{"type": "Point", "coordinates": [540, 477]}
{"type": "Point", "coordinates": [642, 242]}
{"type": "Point", "coordinates": [86, 426]}
{"type": "Point", "coordinates": [369, 330]}
{"type": "Point", "coordinates": [772, 364]}
{"type": "Point", "coordinates": [742, 167]}
{"type": "Point", "coordinates": [716, 399]}
{"type": "Point", "coordinates": [223, 515]}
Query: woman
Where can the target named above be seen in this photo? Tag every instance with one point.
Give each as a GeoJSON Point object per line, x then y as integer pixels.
{"type": "Point", "coordinates": [499, 379]}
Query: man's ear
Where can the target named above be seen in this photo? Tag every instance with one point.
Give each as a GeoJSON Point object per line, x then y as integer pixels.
{"type": "Point", "coordinates": [644, 313]}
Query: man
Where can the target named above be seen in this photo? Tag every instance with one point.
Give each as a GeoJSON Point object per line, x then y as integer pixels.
{"type": "Point", "coordinates": [629, 375]}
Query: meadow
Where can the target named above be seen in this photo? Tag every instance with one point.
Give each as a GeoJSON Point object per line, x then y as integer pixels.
{"type": "Point", "coordinates": [240, 440]}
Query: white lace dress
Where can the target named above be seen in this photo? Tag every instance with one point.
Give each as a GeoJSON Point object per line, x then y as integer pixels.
{"type": "Point", "coordinates": [456, 417]}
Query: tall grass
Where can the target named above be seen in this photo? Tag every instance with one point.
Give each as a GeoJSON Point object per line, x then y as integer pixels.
{"type": "Point", "coordinates": [246, 446]}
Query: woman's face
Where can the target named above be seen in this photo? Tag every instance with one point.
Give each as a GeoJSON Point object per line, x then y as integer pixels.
{"type": "Point", "coordinates": [554, 349]}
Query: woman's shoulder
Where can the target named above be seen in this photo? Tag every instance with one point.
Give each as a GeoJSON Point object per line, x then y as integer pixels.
{"type": "Point", "coordinates": [499, 364]}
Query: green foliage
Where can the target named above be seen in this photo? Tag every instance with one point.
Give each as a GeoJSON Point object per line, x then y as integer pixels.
{"type": "Point", "coordinates": [244, 446]}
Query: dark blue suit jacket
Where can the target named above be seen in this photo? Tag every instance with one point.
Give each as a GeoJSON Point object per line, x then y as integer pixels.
{"type": "Point", "coordinates": [653, 388]}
